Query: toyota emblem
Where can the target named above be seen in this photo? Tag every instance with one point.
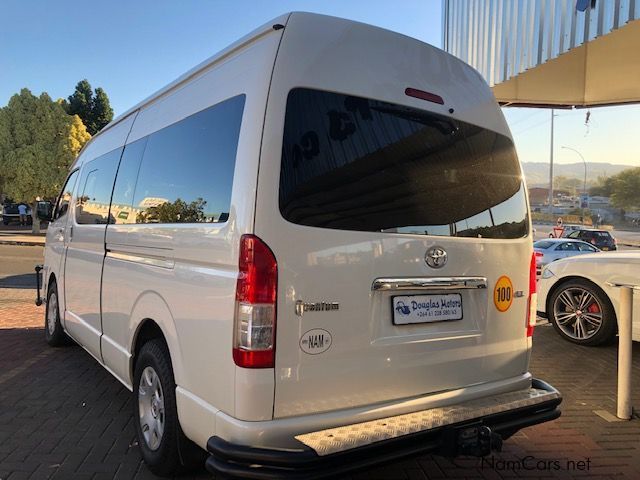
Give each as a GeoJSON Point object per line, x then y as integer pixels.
{"type": "Point", "coordinates": [436, 257]}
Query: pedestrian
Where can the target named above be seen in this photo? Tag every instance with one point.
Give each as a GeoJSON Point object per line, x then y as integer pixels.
{"type": "Point", "coordinates": [22, 211]}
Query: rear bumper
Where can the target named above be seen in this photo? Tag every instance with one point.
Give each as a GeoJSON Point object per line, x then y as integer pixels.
{"type": "Point", "coordinates": [336, 451]}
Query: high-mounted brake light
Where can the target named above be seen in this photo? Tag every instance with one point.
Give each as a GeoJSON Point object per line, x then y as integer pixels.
{"type": "Point", "coordinates": [255, 312]}
{"type": "Point", "coordinates": [533, 296]}
{"type": "Point", "coordinates": [422, 95]}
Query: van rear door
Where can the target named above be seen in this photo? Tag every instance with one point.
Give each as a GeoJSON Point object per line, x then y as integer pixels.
{"type": "Point", "coordinates": [393, 222]}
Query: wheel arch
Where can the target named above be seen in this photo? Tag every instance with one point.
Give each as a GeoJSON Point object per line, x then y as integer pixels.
{"type": "Point", "coordinates": [151, 318]}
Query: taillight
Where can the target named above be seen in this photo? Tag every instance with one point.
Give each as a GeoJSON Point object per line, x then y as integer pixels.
{"type": "Point", "coordinates": [255, 310]}
{"type": "Point", "coordinates": [533, 297]}
{"type": "Point", "coordinates": [538, 256]}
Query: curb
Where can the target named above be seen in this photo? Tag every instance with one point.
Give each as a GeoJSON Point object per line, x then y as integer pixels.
{"type": "Point", "coordinates": [21, 242]}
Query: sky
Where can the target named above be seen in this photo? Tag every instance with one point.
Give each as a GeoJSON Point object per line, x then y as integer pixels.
{"type": "Point", "coordinates": [131, 48]}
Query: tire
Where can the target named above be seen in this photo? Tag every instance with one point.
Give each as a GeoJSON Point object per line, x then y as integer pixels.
{"type": "Point", "coordinates": [53, 331]}
{"type": "Point", "coordinates": [582, 313]}
{"type": "Point", "coordinates": [164, 447]}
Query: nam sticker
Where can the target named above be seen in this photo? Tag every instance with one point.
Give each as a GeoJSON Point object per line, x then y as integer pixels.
{"type": "Point", "coordinates": [315, 341]}
{"type": "Point", "coordinates": [503, 294]}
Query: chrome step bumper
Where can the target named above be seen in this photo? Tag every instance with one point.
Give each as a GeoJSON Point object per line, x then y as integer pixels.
{"type": "Point", "coordinates": [335, 451]}
{"type": "Point", "coordinates": [334, 440]}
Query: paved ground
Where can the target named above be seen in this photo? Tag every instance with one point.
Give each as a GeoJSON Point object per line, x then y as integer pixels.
{"type": "Point", "coordinates": [64, 417]}
{"type": "Point", "coordinates": [16, 265]}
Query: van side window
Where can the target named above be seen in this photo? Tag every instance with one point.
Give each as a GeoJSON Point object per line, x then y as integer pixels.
{"type": "Point", "coordinates": [96, 185]}
{"type": "Point", "coordinates": [122, 211]}
{"type": "Point", "coordinates": [186, 174]}
{"type": "Point", "coordinates": [62, 206]}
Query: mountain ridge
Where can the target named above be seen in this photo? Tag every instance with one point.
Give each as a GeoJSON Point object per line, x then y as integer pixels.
{"type": "Point", "coordinates": [537, 173]}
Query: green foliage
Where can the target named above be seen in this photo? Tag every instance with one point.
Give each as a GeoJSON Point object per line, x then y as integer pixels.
{"type": "Point", "coordinates": [94, 111]}
{"type": "Point", "coordinates": [38, 143]}
{"type": "Point", "coordinates": [102, 113]}
{"type": "Point", "coordinates": [623, 188]}
{"type": "Point", "coordinates": [626, 189]}
{"type": "Point", "coordinates": [573, 185]}
{"type": "Point", "coordinates": [604, 187]}
{"type": "Point", "coordinates": [174, 212]}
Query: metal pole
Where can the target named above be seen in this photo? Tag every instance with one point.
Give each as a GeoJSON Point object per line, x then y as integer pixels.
{"type": "Point", "coordinates": [624, 353]}
{"type": "Point", "coordinates": [584, 185]}
{"type": "Point", "coordinates": [551, 168]}
{"type": "Point", "coordinates": [584, 190]}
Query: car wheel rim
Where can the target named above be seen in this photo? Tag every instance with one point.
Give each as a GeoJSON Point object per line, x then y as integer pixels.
{"type": "Point", "coordinates": [151, 408]}
{"type": "Point", "coordinates": [578, 313]}
{"type": "Point", "coordinates": [52, 313]}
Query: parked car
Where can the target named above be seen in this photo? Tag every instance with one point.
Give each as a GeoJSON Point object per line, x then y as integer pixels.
{"type": "Point", "coordinates": [567, 229]}
{"type": "Point", "coordinates": [574, 295]}
{"type": "Point", "coordinates": [10, 214]}
{"type": "Point", "coordinates": [600, 238]}
{"type": "Point", "coordinates": [547, 251]}
{"type": "Point", "coordinates": [264, 253]}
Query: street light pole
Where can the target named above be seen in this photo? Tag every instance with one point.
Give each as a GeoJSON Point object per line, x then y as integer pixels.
{"type": "Point", "coordinates": [584, 185]}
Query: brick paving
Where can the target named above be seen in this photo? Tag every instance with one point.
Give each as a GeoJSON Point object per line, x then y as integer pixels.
{"type": "Point", "coordinates": [18, 310]}
{"type": "Point", "coordinates": [62, 416]}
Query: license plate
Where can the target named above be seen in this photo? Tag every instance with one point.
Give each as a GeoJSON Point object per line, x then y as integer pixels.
{"type": "Point", "coordinates": [409, 309]}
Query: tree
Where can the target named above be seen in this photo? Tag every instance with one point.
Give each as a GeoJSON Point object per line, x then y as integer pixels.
{"type": "Point", "coordinates": [94, 110]}
{"type": "Point", "coordinates": [174, 212]}
{"type": "Point", "coordinates": [604, 187]}
{"type": "Point", "coordinates": [81, 103]}
{"type": "Point", "coordinates": [102, 113]}
{"type": "Point", "coordinates": [626, 189]}
{"type": "Point", "coordinates": [38, 143]}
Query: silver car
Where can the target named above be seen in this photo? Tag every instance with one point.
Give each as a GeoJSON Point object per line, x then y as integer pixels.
{"type": "Point", "coordinates": [552, 249]}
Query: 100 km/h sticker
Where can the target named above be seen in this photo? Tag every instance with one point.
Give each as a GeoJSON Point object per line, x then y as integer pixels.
{"type": "Point", "coordinates": [503, 294]}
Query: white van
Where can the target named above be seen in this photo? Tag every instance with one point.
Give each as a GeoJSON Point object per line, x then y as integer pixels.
{"type": "Point", "coordinates": [309, 254]}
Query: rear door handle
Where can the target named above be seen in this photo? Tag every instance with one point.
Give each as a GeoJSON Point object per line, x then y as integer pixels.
{"type": "Point", "coordinates": [429, 283]}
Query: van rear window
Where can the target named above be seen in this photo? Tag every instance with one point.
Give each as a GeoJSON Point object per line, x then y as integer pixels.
{"type": "Point", "coordinates": [353, 163]}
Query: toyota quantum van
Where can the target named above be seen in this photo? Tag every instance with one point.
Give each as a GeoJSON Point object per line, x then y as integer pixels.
{"type": "Point", "coordinates": [309, 254]}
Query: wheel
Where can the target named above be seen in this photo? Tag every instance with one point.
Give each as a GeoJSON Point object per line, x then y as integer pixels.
{"type": "Point", "coordinates": [165, 448]}
{"type": "Point", "coordinates": [53, 332]}
{"type": "Point", "coordinates": [582, 313]}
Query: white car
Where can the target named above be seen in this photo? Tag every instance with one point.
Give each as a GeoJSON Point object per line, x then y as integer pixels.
{"type": "Point", "coordinates": [567, 229]}
{"type": "Point", "coordinates": [552, 249]}
{"type": "Point", "coordinates": [311, 245]}
{"type": "Point", "coordinates": [575, 295]}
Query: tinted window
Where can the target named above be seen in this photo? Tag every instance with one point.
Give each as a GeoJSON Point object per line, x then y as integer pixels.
{"type": "Point", "coordinates": [585, 247]}
{"type": "Point", "coordinates": [187, 168]}
{"type": "Point", "coordinates": [122, 210]}
{"type": "Point", "coordinates": [357, 164]}
{"type": "Point", "coordinates": [567, 247]}
{"type": "Point", "coordinates": [62, 206]}
{"type": "Point", "coordinates": [542, 244]}
{"type": "Point", "coordinates": [96, 185]}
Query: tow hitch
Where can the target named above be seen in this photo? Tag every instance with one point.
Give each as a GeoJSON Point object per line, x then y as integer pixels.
{"type": "Point", "coordinates": [471, 440]}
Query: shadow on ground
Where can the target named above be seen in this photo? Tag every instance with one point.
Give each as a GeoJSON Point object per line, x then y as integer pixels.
{"type": "Point", "coordinates": [25, 280]}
